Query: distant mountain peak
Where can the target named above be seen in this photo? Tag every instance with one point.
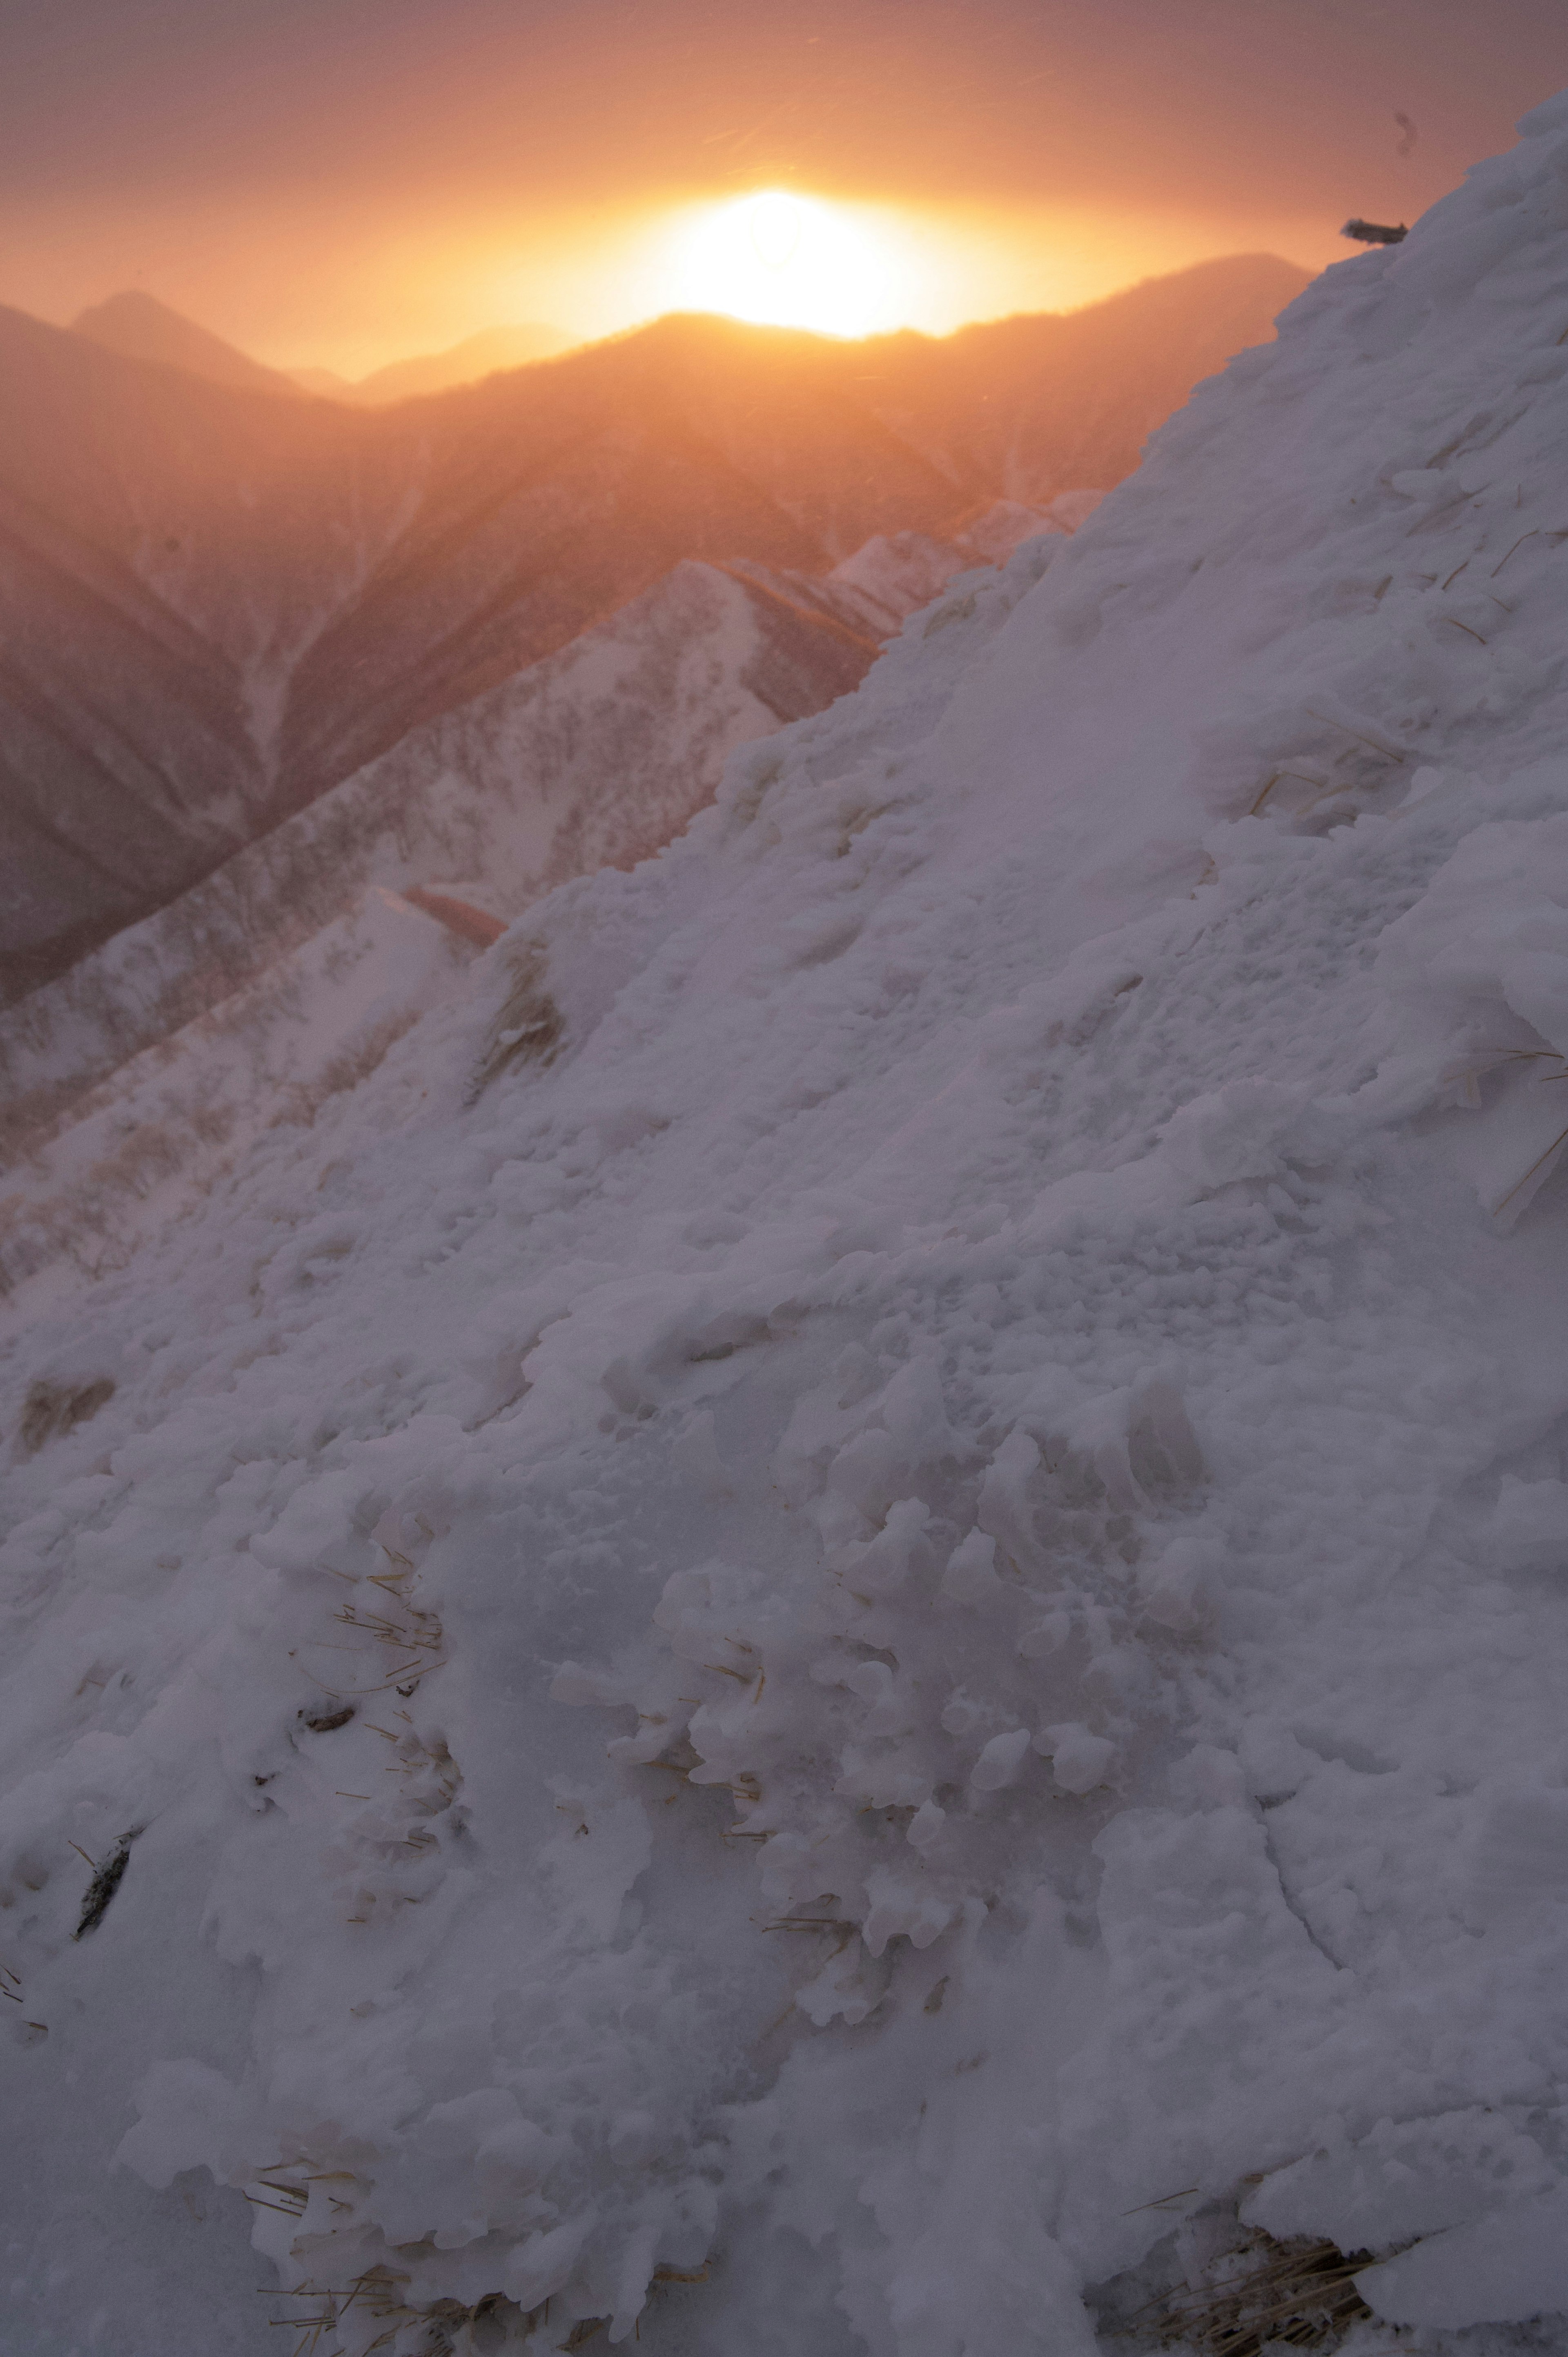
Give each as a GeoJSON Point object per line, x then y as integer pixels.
{"type": "Point", "coordinates": [140, 328]}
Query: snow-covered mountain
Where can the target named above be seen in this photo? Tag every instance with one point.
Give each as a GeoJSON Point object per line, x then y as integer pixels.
{"type": "Point", "coordinates": [148, 1071]}
{"type": "Point", "coordinates": [840, 1626]}
{"type": "Point", "coordinates": [218, 604]}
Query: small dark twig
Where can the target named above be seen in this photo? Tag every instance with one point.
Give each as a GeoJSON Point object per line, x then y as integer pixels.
{"type": "Point", "coordinates": [1518, 543]}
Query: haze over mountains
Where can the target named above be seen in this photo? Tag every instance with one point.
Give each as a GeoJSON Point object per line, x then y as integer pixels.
{"type": "Point", "coordinates": [220, 600]}
{"type": "Point", "coordinates": [463, 363]}
{"type": "Point", "coordinates": [139, 328]}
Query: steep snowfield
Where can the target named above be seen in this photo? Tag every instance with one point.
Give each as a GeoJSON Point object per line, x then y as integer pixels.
{"type": "Point", "coordinates": [842, 1626]}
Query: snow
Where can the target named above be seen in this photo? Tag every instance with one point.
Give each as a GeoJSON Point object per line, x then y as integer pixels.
{"type": "Point", "coordinates": [1509, 2266]}
{"type": "Point", "coordinates": [928, 1436]}
{"type": "Point", "coordinates": [161, 1055]}
{"type": "Point", "coordinates": [146, 1147]}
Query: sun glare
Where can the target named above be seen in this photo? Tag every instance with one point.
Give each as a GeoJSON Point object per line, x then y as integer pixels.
{"type": "Point", "coordinates": [780, 259]}
{"type": "Point", "coordinates": [785, 260]}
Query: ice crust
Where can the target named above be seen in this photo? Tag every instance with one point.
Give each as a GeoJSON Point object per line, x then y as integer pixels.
{"type": "Point", "coordinates": [944, 1506]}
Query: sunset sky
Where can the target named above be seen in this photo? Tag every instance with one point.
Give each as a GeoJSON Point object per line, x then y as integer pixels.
{"type": "Point", "coordinates": [343, 181]}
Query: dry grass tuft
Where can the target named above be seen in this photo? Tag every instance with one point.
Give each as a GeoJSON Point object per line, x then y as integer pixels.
{"type": "Point", "coordinates": [1298, 2294]}
{"type": "Point", "coordinates": [528, 1027]}
{"type": "Point", "coordinates": [51, 1410]}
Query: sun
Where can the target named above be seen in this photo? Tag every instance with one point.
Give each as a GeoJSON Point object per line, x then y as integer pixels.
{"type": "Point", "coordinates": [786, 260]}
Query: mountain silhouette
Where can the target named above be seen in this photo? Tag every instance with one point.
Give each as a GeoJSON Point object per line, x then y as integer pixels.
{"type": "Point", "coordinates": [218, 604]}
{"type": "Point", "coordinates": [140, 328]}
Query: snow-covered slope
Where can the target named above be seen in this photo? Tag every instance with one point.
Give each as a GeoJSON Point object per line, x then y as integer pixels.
{"type": "Point", "coordinates": [842, 1626]}
{"type": "Point", "coordinates": [148, 1070]}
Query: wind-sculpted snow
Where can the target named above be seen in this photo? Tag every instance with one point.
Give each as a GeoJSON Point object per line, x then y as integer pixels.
{"type": "Point", "coordinates": [842, 1625]}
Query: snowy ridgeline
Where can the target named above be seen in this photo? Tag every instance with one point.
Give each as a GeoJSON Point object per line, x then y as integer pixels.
{"type": "Point", "coordinates": [841, 1626]}
{"type": "Point", "coordinates": [144, 1075]}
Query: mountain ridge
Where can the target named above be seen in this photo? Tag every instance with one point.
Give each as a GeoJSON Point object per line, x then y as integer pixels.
{"type": "Point", "coordinates": [338, 576]}
{"type": "Point", "coordinates": [140, 328]}
{"type": "Point", "coordinates": [488, 352]}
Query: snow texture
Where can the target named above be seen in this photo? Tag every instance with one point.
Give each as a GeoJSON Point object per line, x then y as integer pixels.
{"type": "Point", "coordinates": [143, 1073]}
{"type": "Point", "coordinates": [862, 1582]}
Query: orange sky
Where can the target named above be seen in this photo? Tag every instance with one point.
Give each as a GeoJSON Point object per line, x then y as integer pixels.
{"type": "Point", "coordinates": [341, 181]}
